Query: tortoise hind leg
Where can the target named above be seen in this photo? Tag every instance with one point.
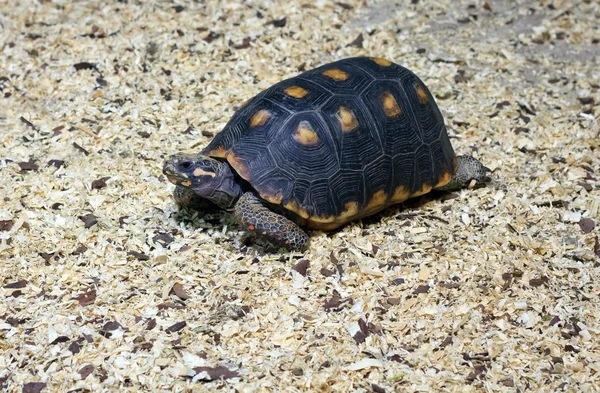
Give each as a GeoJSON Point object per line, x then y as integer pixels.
{"type": "Point", "coordinates": [468, 169]}
{"type": "Point", "coordinates": [264, 222]}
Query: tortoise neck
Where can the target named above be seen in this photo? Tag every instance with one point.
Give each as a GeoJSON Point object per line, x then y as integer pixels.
{"type": "Point", "coordinates": [228, 188]}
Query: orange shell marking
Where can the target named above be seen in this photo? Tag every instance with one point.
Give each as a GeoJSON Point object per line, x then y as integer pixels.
{"type": "Point", "coordinates": [219, 152]}
{"type": "Point", "coordinates": [323, 219]}
{"type": "Point", "coordinates": [292, 205]}
{"type": "Point", "coordinates": [401, 194]}
{"type": "Point", "coordinates": [296, 91]}
{"type": "Point", "coordinates": [328, 223]}
{"type": "Point", "coordinates": [259, 118]}
{"type": "Point", "coordinates": [350, 210]}
{"type": "Point", "coordinates": [423, 98]}
{"type": "Point", "coordinates": [238, 165]}
{"type": "Point", "coordinates": [377, 202]}
{"type": "Point", "coordinates": [305, 134]}
{"type": "Point", "coordinates": [336, 74]}
{"type": "Point", "coordinates": [390, 106]}
{"type": "Point", "coordinates": [347, 119]}
{"type": "Point", "coordinates": [381, 61]}
{"type": "Point", "coordinates": [443, 180]}
{"type": "Point", "coordinates": [424, 190]}
{"type": "Point", "coordinates": [274, 198]}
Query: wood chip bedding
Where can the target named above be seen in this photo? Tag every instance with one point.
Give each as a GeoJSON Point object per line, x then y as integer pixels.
{"type": "Point", "coordinates": [107, 286]}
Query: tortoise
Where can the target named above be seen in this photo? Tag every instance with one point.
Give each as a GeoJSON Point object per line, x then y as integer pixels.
{"type": "Point", "coordinates": [329, 146]}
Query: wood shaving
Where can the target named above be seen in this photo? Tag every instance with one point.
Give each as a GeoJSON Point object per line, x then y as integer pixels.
{"type": "Point", "coordinates": [106, 286]}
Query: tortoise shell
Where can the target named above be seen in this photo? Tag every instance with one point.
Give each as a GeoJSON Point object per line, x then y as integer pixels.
{"type": "Point", "coordinates": [339, 142]}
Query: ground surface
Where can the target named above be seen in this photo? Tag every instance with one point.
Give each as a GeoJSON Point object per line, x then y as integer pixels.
{"type": "Point", "coordinates": [106, 287]}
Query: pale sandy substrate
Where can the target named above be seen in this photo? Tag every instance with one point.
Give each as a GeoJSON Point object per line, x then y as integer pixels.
{"type": "Point", "coordinates": [105, 287]}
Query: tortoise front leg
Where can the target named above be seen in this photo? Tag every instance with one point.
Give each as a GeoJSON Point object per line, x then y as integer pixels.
{"type": "Point", "coordinates": [186, 197]}
{"type": "Point", "coordinates": [262, 221]}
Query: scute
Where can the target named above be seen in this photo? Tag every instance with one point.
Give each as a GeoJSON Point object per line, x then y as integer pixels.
{"type": "Point", "coordinates": [341, 77]}
{"type": "Point", "coordinates": [340, 142]}
{"type": "Point", "coordinates": [358, 143]}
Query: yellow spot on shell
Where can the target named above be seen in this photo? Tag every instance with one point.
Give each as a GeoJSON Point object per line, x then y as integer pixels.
{"type": "Point", "coordinates": [200, 172]}
{"type": "Point", "coordinates": [305, 134]}
{"type": "Point", "coordinates": [259, 118]}
{"type": "Point", "coordinates": [239, 166]}
{"type": "Point", "coordinates": [296, 91]}
{"type": "Point", "coordinates": [219, 152]}
{"type": "Point", "coordinates": [350, 210]}
{"type": "Point", "coordinates": [323, 223]}
{"type": "Point", "coordinates": [425, 188]}
{"type": "Point", "coordinates": [347, 119]}
{"type": "Point", "coordinates": [336, 74]}
{"type": "Point", "coordinates": [323, 219]}
{"type": "Point", "coordinates": [294, 207]}
{"type": "Point", "coordinates": [443, 180]}
{"type": "Point", "coordinates": [381, 61]}
{"type": "Point", "coordinates": [401, 194]}
{"type": "Point", "coordinates": [390, 106]}
{"type": "Point", "coordinates": [422, 94]}
{"type": "Point", "coordinates": [186, 183]}
{"type": "Point", "coordinates": [377, 201]}
{"type": "Point", "coordinates": [274, 198]}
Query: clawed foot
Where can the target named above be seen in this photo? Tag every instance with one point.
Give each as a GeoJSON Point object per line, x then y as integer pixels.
{"type": "Point", "coordinates": [268, 225]}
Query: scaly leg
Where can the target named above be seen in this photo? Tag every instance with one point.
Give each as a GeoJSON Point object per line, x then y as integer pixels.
{"type": "Point", "coordinates": [262, 221]}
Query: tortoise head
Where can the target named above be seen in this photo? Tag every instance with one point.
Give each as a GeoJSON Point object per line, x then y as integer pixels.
{"type": "Point", "coordinates": [206, 176]}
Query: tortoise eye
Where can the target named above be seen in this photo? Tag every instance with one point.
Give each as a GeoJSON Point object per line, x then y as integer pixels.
{"type": "Point", "coordinates": [185, 165]}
